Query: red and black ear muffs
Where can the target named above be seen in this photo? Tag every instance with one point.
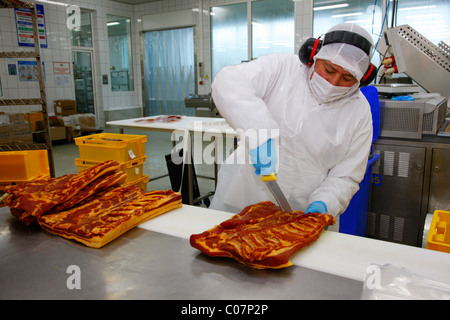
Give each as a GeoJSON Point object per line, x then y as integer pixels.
{"type": "Point", "coordinates": [312, 46]}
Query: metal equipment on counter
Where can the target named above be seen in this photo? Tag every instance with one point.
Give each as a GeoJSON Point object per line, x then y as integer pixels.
{"type": "Point", "coordinates": [410, 118]}
{"type": "Point", "coordinates": [203, 104]}
{"type": "Point", "coordinates": [407, 51]}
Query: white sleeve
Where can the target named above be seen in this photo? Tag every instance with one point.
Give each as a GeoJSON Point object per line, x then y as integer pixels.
{"type": "Point", "coordinates": [342, 181]}
{"type": "Point", "coordinates": [238, 92]}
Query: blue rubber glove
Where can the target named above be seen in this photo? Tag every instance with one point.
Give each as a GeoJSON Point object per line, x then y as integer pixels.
{"type": "Point", "coordinates": [264, 158]}
{"type": "Point", "coordinates": [317, 207]}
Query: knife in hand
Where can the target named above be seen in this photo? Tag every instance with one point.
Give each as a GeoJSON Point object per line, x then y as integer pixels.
{"type": "Point", "coordinates": [272, 184]}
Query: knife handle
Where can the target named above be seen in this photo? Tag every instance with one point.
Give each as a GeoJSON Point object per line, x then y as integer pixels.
{"type": "Point", "coordinates": [270, 177]}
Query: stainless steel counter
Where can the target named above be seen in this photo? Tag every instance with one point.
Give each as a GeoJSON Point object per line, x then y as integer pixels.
{"type": "Point", "coordinates": [143, 264]}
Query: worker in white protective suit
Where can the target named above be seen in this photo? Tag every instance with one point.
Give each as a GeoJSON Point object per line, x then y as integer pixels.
{"type": "Point", "coordinates": [310, 114]}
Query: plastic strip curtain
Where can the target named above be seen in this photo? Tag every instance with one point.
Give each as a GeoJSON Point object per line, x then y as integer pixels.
{"type": "Point", "coordinates": [169, 73]}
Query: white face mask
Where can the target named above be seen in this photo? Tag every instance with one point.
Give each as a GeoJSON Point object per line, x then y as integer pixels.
{"type": "Point", "coordinates": [325, 92]}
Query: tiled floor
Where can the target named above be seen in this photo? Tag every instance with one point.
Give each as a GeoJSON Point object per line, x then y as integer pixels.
{"type": "Point", "coordinates": [158, 145]}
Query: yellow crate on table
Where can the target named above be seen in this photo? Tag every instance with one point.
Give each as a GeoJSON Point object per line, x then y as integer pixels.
{"type": "Point", "coordinates": [133, 169]}
{"type": "Point", "coordinates": [439, 235]}
{"type": "Point", "coordinates": [141, 182]}
{"type": "Point", "coordinates": [23, 165]}
{"type": "Point", "coordinates": [111, 146]}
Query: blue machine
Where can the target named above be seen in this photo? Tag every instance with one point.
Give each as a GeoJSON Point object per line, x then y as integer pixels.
{"type": "Point", "coordinates": [354, 219]}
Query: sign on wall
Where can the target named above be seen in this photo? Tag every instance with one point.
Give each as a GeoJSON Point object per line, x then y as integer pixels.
{"type": "Point", "coordinates": [24, 26]}
{"type": "Point", "coordinates": [28, 70]}
{"type": "Point", "coordinates": [61, 71]}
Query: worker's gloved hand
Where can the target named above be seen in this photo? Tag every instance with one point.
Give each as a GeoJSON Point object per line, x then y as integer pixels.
{"type": "Point", "coordinates": [317, 207]}
{"type": "Point", "coordinates": [264, 158]}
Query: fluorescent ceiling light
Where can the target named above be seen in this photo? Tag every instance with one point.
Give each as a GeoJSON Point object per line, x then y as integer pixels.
{"type": "Point", "coordinates": [417, 8]}
{"type": "Point", "coordinates": [333, 6]}
{"type": "Point", "coordinates": [112, 23]}
{"type": "Point", "coordinates": [54, 2]}
{"type": "Point", "coordinates": [346, 15]}
{"type": "Point", "coordinates": [421, 16]}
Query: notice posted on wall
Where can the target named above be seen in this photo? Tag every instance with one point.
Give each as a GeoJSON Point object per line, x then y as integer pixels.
{"type": "Point", "coordinates": [61, 71]}
{"type": "Point", "coordinates": [24, 26]}
{"type": "Point", "coordinates": [28, 70]}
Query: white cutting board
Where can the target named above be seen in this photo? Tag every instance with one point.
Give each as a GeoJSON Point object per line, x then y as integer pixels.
{"type": "Point", "coordinates": [185, 221]}
{"type": "Point", "coordinates": [334, 253]}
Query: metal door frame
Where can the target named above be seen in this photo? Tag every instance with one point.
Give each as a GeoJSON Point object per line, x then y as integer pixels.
{"type": "Point", "coordinates": [94, 91]}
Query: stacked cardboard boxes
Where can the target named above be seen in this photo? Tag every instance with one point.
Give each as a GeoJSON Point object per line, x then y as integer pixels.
{"type": "Point", "coordinates": [23, 128]}
{"type": "Point", "coordinates": [57, 129]}
{"type": "Point", "coordinates": [15, 129]}
{"type": "Point", "coordinates": [127, 149]}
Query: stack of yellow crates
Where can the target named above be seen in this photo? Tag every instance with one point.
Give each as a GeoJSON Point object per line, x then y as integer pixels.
{"type": "Point", "coordinates": [22, 166]}
{"type": "Point", "coordinates": [438, 237]}
{"type": "Point", "coordinates": [127, 149]}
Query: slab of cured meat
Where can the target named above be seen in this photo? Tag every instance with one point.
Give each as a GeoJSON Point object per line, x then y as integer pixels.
{"type": "Point", "coordinates": [30, 200]}
{"type": "Point", "coordinates": [104, 217]}
{"type": "Point", "coordinates": [262, 236]}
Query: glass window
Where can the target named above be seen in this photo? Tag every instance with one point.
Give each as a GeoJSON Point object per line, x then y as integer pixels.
{"type": "Point", "coordinates": [272, 31]}
{"type": "Point", "coordinates": [272, 27]}
{"type": "Point", "coordinates": [362, 12]}
{"type": "Point", "coordinates": [82, 76]}
{"type": "Point", "coordinates": [82, 37]}
{"type": "Point", "coordinates": [120, 57]}
{"type": "Point", "coordinates": [430, 18]}
{"type": "Point", "coordinates": [229, 35]}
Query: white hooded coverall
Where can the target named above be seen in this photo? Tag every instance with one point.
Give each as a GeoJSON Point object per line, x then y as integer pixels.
{"type": "Point", "coordinates": [323, 148]}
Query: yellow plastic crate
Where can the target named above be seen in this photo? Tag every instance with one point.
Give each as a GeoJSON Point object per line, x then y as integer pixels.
{"type": "Point", "coordinates": [141, 182]}
{"type": "Point", "coordinates": [133, 168]}
{"type": "Point", "coordinates": [439, 235]}
{"type": "Point", "coordinates": [23, 165]}
{"type": "Point", "coordinates": [111, 146]}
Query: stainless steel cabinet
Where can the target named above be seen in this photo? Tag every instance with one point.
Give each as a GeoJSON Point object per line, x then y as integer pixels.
{"type": "Point", "coordinates": [396, 194]}
{"type": "Point", "coordinates": [410, 180]}
{"type": "Point", "coordinates": [440, 181]}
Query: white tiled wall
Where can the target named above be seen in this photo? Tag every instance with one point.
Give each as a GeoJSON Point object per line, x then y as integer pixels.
{"type": "Point", "coordinates": [59, 48]}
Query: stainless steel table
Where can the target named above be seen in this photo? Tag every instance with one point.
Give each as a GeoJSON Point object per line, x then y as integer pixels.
{"type": "Point", "coordinates": [143, 264]}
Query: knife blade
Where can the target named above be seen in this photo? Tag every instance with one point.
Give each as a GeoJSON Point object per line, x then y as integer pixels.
{"type": "Point", "coordinates": [272, 184]}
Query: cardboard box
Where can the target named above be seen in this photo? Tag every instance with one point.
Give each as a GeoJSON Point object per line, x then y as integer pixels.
{"type": "Point", "coordinates": [5, 133]}
{"type": "Point", "coordinates": [33, 118]}
{"type": "Point", "coordinates": [57, 130]}
{"type": "Point", "coordinates": [65, 107]}
{"type": "Point", "coordinates": [72, 131]}
{"type": "Point", "coordinates": [57, 133]}
{"type": "Point", "coordinates": [26, 138]}
{"type": "Point", "coordinates": [6, 129]}
{"type": "Point", "coordinates": [52, 122]}
{"type": "Point", "coordinates": [6, 138]}
{"type": "Point", "coordinates": [17, 117]}
{"type": "Point", "coordinates": [21, 128]}
{"type": "Point", "coordinates": [87, 123]}
{"type": "Point", "coordinates": [4, 119]}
